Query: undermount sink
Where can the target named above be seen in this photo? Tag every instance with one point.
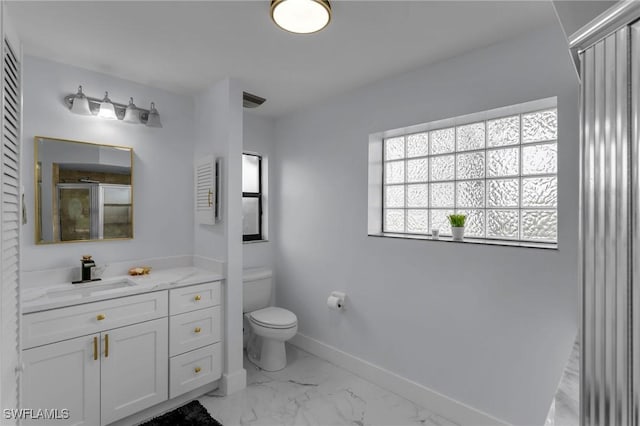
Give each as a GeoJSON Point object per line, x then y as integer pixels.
{"type": "Point", "coordinates": [90, 289]}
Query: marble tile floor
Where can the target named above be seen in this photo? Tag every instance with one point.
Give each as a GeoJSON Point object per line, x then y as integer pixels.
{"type": "Point", "coordinates": [565, 407]}
{"type": "Point", "coordinates": [312, 391]}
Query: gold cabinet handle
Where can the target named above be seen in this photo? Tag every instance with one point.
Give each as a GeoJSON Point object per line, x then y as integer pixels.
{"type": "Point", "coordinates": [95, 348]}
{"type": "Point", "coordinates": [106, 345]}
{"type": "Point", "coordinates": [100, 317]}
{"type": "Point", "coordinates": [197, 298]}
{"type": "Point", "coordinates": [210, 198]}
{"type": "Point", "coordinates": [197, 370]}
{"type": "Point", "coordinates": [197, 330]}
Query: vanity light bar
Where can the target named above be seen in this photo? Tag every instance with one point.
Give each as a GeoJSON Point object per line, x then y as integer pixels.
{"type": "Point", "coordinates": [78, 103]}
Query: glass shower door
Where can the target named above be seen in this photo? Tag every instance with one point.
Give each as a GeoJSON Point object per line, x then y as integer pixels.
{"type": "Point", "coordinates": [75, 207]}
{"type": "Point", "coordinates": [116, 215]}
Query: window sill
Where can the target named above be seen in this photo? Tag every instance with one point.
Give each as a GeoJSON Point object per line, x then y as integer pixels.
{"type": "Point", "coordinates": [255, 241]}
{"type": "Point", "coordinates": [467, 240]}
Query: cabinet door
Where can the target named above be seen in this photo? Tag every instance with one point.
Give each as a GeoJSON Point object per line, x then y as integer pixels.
{"type": "Point", "coordinates": [205, 190]}
{"type": "Point", "coordinates": [64, 375]}
{"type": "Point", "coordinates": [134, 368]}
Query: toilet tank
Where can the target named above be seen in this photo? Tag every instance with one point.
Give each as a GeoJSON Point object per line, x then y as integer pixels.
{"type": "Point", "coordinates": [257, 284]}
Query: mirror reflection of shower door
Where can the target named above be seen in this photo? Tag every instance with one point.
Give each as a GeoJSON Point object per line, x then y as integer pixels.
{"type": "Point", "coordinates": [115, 211]}
{"type": "Point", "coordinates": [76, 204]}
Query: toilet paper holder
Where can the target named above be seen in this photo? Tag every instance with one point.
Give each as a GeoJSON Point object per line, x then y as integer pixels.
{"type": "Point", "coordinates": [339, 297]}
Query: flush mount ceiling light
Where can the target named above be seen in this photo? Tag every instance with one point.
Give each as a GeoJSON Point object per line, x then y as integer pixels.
{"type": "Point", "coordinates": [105, 108]}
{"type": "Point", "coordinates": [301, 16]}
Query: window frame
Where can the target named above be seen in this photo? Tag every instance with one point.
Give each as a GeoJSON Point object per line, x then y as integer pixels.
{"type": "Point", "coordinates": [378, 183]}
{"type": "Point", "coordinates": [259, 196]}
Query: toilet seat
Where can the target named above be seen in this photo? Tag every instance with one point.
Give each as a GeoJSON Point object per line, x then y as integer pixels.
{"type": "Point", "coordinates": [273, 317]}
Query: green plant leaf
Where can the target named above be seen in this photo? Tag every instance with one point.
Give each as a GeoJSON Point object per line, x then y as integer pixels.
{"type": "Point", "coordinates": [457, 220]}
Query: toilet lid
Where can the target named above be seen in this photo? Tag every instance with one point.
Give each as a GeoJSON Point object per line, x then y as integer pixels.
{"type": "Point", "coordinates": [273, 317]}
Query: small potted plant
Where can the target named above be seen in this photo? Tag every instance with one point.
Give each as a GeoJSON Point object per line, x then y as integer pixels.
{"type": "Point", "coordinates": [457, 226]}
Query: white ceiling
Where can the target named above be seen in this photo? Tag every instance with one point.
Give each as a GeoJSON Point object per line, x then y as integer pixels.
{"type": "Point", "coordinates": [184, 46]}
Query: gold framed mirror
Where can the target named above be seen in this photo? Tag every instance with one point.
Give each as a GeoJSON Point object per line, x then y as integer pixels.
{"type": "Point", "coordinates": [83, 191]}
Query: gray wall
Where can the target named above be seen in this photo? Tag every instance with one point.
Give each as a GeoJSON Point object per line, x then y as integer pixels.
{"type": "Point", "coordinates": [258, 137]}
{"type": "Point", "coordinates": [489, 326]}
{"type": "Point", "coordinates": [163, 162]}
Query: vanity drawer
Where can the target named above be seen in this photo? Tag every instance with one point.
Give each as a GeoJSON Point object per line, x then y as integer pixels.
{"type": "Point", "coordinates": [194, 369]}
{"type": "Point", "coordinates": [186, 299]}
{"type": "Point", "coordinates": [193, 330]}
{"type": "Point", "coordinates": [54, 325]}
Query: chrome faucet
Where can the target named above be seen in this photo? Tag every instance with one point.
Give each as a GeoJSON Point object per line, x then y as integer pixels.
{"type": "Point", "coordinates": [86, 264]}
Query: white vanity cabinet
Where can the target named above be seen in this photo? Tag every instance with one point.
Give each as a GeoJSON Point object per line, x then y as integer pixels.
{"type": "Point", "coordinates": [63, 375]}
{"type": "Point", "coordinates": [195, 333]}
{"type": "Point", "coordinates": [99, 378]}
{"type": "Point", "coordinates": [104, 376]}
{"type": "Point", "coordinates": [107, 360]}
{"type": "Point", "coordinates": [134, 371]}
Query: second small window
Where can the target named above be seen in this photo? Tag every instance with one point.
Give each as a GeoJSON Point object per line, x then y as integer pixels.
{"type": "Point", "coordinates": [251, 197]}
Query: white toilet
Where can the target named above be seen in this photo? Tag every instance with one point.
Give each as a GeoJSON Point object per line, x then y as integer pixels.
{"type": "Point", "coordinates": [266, 327]}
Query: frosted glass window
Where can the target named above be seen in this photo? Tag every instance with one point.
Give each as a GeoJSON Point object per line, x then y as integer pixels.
{"type": "Point", "coordinates": [418, 145]}
{"type": "Point", "coordinates": [250, 216]}
{"type": "Point", "coordinates": [540, 126]}
{"type": "Point", "coordinates": [502, 224]}
{"type": "Point", "coordinates": [539, 159]}
{"type": "Point", "coordinates": [442, 194]}
{"type": "Point", "coordinates": [418, 195]}
{"type": "Point", "coordinates": [503, 193]}
{"type": "Point", "coordinates": [418, 221]}
{"type": "Point", "coordinates": [418, 170]}
{"type": "Point", "coordinates": [250, 173]}
{"type": "Point", "coordinates": [442, 168]}
{"type": "Point", "coordinates": [474, 225]}
{"type": "Point", "coordinates": [394, 220]}
{"type": "Point", "coordinates": [470, 193]}
{"type": "Point", "coordinates": [500, 172]}
{"type": "Point", "coordinates": [470, 136]}
{"type": "Point", "coordinates": [394, 172]}
{"type": "Point", "coordinates": [503, 131]}
{"type": "Point", "coordinates": [394, 196]}
{"type": "Point", "coordinates": [503, 162]}
{"type": "Point", "coordinates": [540, 224]}
{"type": "Point", "coordinates": [470, 166]}
{"type": "Point", "coordinates": [540, 192]}
{"type": "Point", "coordinates": [394, 148]}
{"type": "Point", "coordinates": [443, 141]}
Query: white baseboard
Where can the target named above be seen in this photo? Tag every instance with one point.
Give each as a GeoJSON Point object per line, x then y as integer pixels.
{"type": "Point", "coordinates": [233, 382]}
{"type": "Point", "coordinates": [415, 392]}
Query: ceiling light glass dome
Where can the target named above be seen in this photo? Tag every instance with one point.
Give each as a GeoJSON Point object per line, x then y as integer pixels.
{"type": "Point", "coordinates": [301, 16]}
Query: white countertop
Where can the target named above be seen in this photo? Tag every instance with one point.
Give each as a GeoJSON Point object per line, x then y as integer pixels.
{"type": "Point", "coordinates": [61, 295]}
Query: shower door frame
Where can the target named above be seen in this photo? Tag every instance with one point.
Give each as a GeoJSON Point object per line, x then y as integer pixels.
{"type": "Point", "coordinates": [610, 291]}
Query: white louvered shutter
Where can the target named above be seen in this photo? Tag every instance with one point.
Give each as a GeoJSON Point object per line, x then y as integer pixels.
{"type": "Point", "coordinates": [205, 190]}
{"type": "Point", "coordinates": [10, 208]}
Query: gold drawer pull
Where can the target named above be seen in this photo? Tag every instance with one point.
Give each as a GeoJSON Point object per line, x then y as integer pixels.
{"type": "Point", "coordinates": [197, 330]}
{"type": "Point", "coordinates": [197, 370]}
{"type": "Point", "coordinates": [100, 317]}
{"type": "Point", "coordinates": [95, 348]}
{"type": "Point", "coordinates": [106, 345]}
{"type": "Point", "coordinates": [197, 298]}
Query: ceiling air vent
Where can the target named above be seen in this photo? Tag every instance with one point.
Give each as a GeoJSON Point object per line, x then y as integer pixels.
{"type": "Point", "coordinates": [250, 100]}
